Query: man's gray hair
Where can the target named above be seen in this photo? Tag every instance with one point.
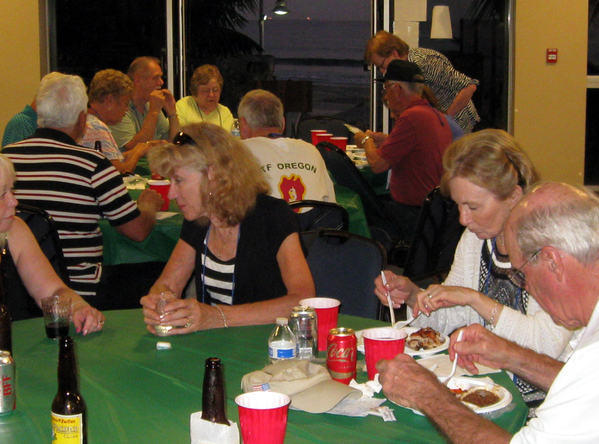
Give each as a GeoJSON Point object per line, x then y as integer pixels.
{"type": "Point", "coordinates": [261, 109]}
{"type": "Point", "coordinates": [570, 224]}
{"type": "Point", "coordinates": [412, 87]}
{"type": "Point", "coordinates": [60, 100]}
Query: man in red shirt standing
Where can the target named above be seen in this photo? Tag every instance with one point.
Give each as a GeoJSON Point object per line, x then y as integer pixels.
{"type": "Point", "coordinates": [414, 148]}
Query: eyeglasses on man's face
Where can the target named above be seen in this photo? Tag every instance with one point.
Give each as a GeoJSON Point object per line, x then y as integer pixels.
{"type": "Point", "coordinates": [387, 87]}
{"type": "Point", "coordinates": [517, 276]}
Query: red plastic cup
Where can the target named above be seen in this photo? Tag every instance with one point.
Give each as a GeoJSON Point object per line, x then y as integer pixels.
{"type": "Point", "coordinates": [327, 311]}
{"type": "Point", "coordinates": [263, 417]}
{"type": "Point", "coordinates": [340, 142]}
{"type": "Point", "coordinates": [321, 137]}
{"type": "Point", "coordinates": [382, 343]}
{"type": "Point", "coordinates": [313, 135]}
{"type": "Point", "coordinates": [162, 187]}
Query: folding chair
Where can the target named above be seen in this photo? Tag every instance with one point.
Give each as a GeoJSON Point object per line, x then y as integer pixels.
{"type": "Point", "coordinates": [44, 229]}
{"type": "Point", "coordinates": [344, 267]}
{"type": "Point", "coordinates": [21, 304]}
{"type": "Point", "coordinates": [435, 240]}
{"type": "Point", "coordinates": [321, 215]}
{"type": "Point", "coordinates": [346, 174]}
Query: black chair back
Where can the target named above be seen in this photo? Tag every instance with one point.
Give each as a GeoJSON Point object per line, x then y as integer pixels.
{"type": "Point", "coordinates": [436, 238]}
{"type": "Point", "coordinates": [346, 174]}
{"type": "Point", "coordinates": [344, 267]}
{"type": "Point", "coordinates": [21, 305]}
{"type": "Point", "coordinates": [321, 215]}
{"type": "Point", "coordinates": [44, 229]}
{"type": "Point", "coordinates": [331, 124]}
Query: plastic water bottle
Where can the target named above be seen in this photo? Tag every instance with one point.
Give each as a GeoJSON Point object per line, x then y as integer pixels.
{"type": "Point", "coordinates": [235, 130]}
{"type": "Point", "coordinates": [282, 342]}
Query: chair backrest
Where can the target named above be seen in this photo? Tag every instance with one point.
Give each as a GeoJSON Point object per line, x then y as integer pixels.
{"type": "Point", "coordinates": [44, 229]}
{"type": "Point", "coordinates": [321, 215]}
{"type": "Point", "coordinates": [435, 239]}
{"type": "Point", "coordinates": [331, 124]}
{"type": "Point", "coordinates": [344, 267]}
{"type": "Point", "coordinates": [346, 174]}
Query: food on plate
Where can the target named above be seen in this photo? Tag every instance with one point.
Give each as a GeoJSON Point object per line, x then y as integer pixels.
{"type": "Point", "coordinates": [479, 396]}
{"type": "Point", "coordinates": [425, 339]}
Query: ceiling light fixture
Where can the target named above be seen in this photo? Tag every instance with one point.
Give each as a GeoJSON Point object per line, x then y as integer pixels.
{"type": "Point", "coordinates": [280, 7]}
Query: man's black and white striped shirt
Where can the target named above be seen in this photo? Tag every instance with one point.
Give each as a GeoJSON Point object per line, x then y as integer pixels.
{"type": "Point", "coordinates": [77, 186]}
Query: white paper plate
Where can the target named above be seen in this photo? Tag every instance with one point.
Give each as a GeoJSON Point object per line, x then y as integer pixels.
{"type": "Point", "coordinates": [408, 350]}
{"type": "Point", "coordinates": [505, 397]}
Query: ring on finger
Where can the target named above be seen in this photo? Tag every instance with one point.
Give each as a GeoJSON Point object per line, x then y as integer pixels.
{"type": "Point", "coordinates": [430, 295]}
{"type": "Point", "coordinates": [188, 324]}
{"type": "Point", "coordinates": [101, 322]}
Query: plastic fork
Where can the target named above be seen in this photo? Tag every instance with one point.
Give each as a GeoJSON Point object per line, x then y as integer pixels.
{"type": "Point", "coordinates": [455, 361]}
{"type": "Point", "coordinates": [389, 301]}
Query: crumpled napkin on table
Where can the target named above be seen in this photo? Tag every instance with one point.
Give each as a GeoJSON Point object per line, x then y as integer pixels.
{"type": "Point", "coordinates": [363, 406]}
{"type": "Point", "coordinates": [206, 432]}
{"type": "Point", "coordinates": [135, 182]}
{"type": "Point", "coordinates": [444, 364]}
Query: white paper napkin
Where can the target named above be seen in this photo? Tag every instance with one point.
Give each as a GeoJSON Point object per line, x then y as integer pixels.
{"type": "Point", "coordinates": [444, 365]}
{"type": "Point", "coordinates": [206, 432]}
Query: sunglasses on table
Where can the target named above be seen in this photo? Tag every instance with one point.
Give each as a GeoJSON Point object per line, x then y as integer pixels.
{"type": "Point", "coordinates": [183, 139]}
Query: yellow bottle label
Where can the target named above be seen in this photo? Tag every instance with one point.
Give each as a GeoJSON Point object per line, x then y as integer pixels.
{"type": "Point", "coordinates": [67, 429]}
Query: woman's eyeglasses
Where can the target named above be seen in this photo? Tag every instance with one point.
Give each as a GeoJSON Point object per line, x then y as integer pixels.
{"type": "Point", "coordinates": [517, 276]}
{"type": "Point", "coordinates": [183, 139]}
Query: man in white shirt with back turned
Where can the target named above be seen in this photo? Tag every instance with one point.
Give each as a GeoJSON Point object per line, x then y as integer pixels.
{"type": "Point", "coordinates": [294, 169]}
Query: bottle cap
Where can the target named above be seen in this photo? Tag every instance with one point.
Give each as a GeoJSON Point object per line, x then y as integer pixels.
{"type": "Point", "coordinates": [282, 321]}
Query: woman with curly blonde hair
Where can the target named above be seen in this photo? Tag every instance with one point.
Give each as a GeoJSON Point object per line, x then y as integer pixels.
{"type": "Point", "coordinates": [241, 245]}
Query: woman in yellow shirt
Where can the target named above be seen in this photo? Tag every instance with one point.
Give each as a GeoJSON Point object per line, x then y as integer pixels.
{"type": "Point", "coordinates": [202, 106]}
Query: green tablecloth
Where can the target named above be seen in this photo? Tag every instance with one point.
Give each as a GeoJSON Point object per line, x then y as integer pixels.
{"type": "Point", "coordinates": [158, 246]}
{"type": "Point", "coordinates": [137, 394]}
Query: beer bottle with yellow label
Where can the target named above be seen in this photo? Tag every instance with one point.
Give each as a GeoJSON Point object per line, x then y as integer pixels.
{"type": "Point", "coordinates": [69, 413]}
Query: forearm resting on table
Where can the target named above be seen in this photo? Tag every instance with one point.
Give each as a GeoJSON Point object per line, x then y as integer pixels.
{"type": "Point", "coordinates": [538, 369]}
{"type": "Point", "coordinates": [260, 313]}
{"type": "Point", "coordinates": [140, 227]}
{"type": "Point", "coordinates": [460, 424]}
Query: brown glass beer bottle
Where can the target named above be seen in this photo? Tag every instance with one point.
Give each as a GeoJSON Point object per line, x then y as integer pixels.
{"type": "Point", "coordinates": [213, 393]}
{"type": "Point", "coordinates": [69, 413]}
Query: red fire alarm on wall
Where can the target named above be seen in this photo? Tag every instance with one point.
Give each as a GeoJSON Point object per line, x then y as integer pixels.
{"type": "Point", "coordinates": [552, 55]}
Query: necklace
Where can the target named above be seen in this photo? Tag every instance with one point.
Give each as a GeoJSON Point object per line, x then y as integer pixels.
{"type": "Point", "coordinates": [488, 279]}
{"type": "Point", "coordinates": [96, 113]}
{"type": "Point", "coordinates": [220, 119]}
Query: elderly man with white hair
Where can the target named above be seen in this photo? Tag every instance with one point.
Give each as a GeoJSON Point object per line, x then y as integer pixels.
{"type": "Point", "coordinates": [77, 186]}
{"type": "Point", "coordinates": [552, 237]}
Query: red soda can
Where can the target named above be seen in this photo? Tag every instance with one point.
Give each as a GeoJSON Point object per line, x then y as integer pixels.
{"type": "Point", "coordinates": [7, 383]}
{"type": "Point", "coordinates": [342, 351]}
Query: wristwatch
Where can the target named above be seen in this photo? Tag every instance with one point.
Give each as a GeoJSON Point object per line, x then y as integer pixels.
{"type": "Point", "coordinates": [364, 140]}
